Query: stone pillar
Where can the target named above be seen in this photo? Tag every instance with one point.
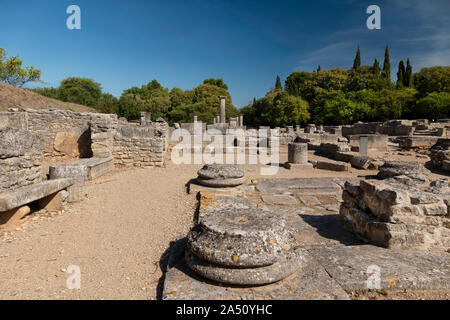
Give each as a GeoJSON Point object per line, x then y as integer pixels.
{"type": "Point", "coordinates": [241, 120]}
{"type": "Point", "coordinates": [297, 152]}
{"type": "Point", "coordinates": [364, 146]}
{"type": "Point", "coordinates": [222, 109]}
{"type": "Point", "coordinates": [146, 118]}
{"type": "Point", "coordinates": [214, 120]}
{"type": "Point", "coordinates": [298, 156]}
{"type": "Point", "coordinates": [195, 119]}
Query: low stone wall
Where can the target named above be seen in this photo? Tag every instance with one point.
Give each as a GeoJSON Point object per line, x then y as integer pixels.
{"type": "Point", "coordinates": [440, 155]}
{"type": "Point", "coordinates": [20, 159]}
{"type": "Point", "coordinates": [375, 142]}
{"type": "Point", "coordinates": [391, 214]}
{"type": "Point", "coordinates": [141, 146]}
{"type": "Point", "coordinates": [63, 133]}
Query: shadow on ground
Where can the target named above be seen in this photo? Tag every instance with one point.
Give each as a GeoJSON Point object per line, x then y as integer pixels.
{"type": "Point", "coordinates": [328, 226]}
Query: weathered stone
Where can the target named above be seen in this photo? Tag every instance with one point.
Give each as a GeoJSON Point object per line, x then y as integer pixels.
{"type": "Point", "coordinates": [332, 165]}
{"type": "Point", "coordinates": [78, 174]}
{"type": "Point", "coordinates": [51, 203]}
{"type": "Point", "coordinates": [279, 199]}
{"type": "Point", "coordinates": [413, 170]}
{"type": "Point", "coordinates": [298, 185]}
{"type": "Point", "coordinates": [297, 152]}
{"type": "Point", "coordinates": [220, 171]}
{"type": "Point", "coordinates": [293, 166]}
{"type": "Point", "coordinates": [240, 238]}
{"type": "Point", "coordinates": [15, 142]}
{"type": "Point", "coordinates": [221, 183]}
{"type": "Point", "coordinates": [389, 214]}
{"type": "Point", "coordinates": [11, 217]}
{"type": "Point", "coordinates": [21, 196]}
{"type": "Point", "coordinates": [254, 276]}
{"type": "Point", "coordinates": [360, 162]}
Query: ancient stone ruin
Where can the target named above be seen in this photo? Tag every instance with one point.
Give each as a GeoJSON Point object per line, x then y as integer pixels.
{"type": "Point", "coordinates": [242, 247]}
{"type": "Point", "coordinates": [396, 213]}
{"type": "Point", "coordinates": [220, 175]}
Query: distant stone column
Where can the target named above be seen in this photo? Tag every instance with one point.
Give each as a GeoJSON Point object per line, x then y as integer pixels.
{"type": "Point", "coordinates": [146, 118]}
{"type": "Point", "coordinates": [298, 156]}
{"type": "Point", "coordinates": [241, 120]}
{"type": "Point", "coordinates": [222, 109]}
{"type": "Point", "coordinates": [195, 119]}
{"type": "Point", "coordinates": [214, 120]}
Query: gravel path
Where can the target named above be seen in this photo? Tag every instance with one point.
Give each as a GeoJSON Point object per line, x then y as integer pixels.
{"type": "Point", "coordinates": [116, 236]}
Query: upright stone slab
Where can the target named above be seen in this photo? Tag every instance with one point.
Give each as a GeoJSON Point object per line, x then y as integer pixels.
{"type": "Point", "coordinates": [298, 156]}
{"type": "Point", "coordinates": [79, 173]}
{"type": "Point", "coordinates": [364, 146]}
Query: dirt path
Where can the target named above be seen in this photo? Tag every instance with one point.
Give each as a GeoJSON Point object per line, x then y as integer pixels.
{"type": "Point", "coordinates": [116, 236]}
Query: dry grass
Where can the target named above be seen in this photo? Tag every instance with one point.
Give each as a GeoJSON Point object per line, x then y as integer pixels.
{"type": "Point", "coordinates": [14, 97]}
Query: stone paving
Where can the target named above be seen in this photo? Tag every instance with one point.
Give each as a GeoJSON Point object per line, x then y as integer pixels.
{"type": "Point", "coordinates": [334, 262]}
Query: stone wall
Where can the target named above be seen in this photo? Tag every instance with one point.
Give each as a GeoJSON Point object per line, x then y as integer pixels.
{"type": "Point", "coordinates": [141, 146]}
{"type": "Point", "coordinates": [63, 133]}
{"type": "Point", "coordinates": [20, 158]}
{"type": "Point", "coordinates": [440, 155]}
{"type": "Point", "coordinates": [391, 214]}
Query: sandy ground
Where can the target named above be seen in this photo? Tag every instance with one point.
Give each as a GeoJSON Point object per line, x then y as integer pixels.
{"type": "Point", "coordinates": [117, 236]}
{"type": "Point", "coordinates": [15, 97]}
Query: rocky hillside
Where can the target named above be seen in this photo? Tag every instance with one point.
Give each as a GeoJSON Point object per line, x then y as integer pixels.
{"type": "Point", "coordinates": [14, 97]}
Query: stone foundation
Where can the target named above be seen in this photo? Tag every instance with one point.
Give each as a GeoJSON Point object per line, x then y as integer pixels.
{"type": "Point", "coordinates": [391, 214]}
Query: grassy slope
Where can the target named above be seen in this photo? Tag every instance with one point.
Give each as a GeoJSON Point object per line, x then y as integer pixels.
{"type": "Point", "coordinates": [14, 97]}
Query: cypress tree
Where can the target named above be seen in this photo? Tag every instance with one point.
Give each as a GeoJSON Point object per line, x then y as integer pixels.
{"type": "Point", "coordinates": [319, 68]}
{"type": "Point", "coordinates": [357, 61]}
{"type": "Point", "coordinates": [401, 74]}
{"type": "Point", "coordinates": [278, 84]}
{"type": "Point", "coordinates": [408, 74]}
{"type": "Point", "coordinates": [376, 68]}
{"type": "Point", "coordinates": [387, 64]}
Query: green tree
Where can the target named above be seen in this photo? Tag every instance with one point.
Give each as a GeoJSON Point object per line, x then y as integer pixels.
{"type": "Point", "coordinates": [434, 106]}
{"type": "Point", "coordinates": [387, 65]}
{"type": "Point", "coordinates": [216, 82]}
{"type": "Point", "coordinates": [433, 79]}
{"type": "Point", "coordinates": [408, 74]}
{"type": "Point", "coordinates": [12, 72]}
{"type": "Point", "coordinates": [295, 82]}
{"type": "Point", "coordinates": [376, 68]}
{"type": "Point", "coordinates": [108, 104]}
{"type": "Point", "coordinates": [401, 74]}
{"type": "Point", "coordinates": [278, 84]}
{"type": "Point", "coordinates": [83, 91]}
{"type": "Point", "coordinates": [357, 61]}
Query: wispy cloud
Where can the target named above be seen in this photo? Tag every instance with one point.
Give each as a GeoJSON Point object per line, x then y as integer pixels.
{"type": "Point", "coordinates": [330, 53]}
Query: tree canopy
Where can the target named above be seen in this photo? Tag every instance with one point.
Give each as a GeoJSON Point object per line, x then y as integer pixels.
{"type": "Point", "coordinates": [12, 71]}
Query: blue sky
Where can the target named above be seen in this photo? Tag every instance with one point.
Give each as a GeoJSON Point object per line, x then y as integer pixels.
{"type": "Point", "coordinates": [247, 43]}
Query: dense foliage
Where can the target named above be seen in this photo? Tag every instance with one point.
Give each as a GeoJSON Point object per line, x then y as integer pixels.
{"type": "Point", "coordinates": [12, 72]}
{"type": "Point", "coordinates": [335, 96]}
{"type": "Point", "coordinates": [363, 93]}
{"type": "Point", "coordinates": [175, 105]}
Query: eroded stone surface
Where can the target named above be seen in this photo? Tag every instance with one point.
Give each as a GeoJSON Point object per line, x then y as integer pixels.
{"type": "Point", "coordinates": [221, 183]}
{"type": "Point", "coordinates": [311, 282]}
{"type": "Point", "coordinates": [220, 171]}
{"type": "Point", "coordinates": [246, 237]}
{"type": "Point", "coordinates": [290, 262]}
{"type": "Point", "coordinates": [414, 170]}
